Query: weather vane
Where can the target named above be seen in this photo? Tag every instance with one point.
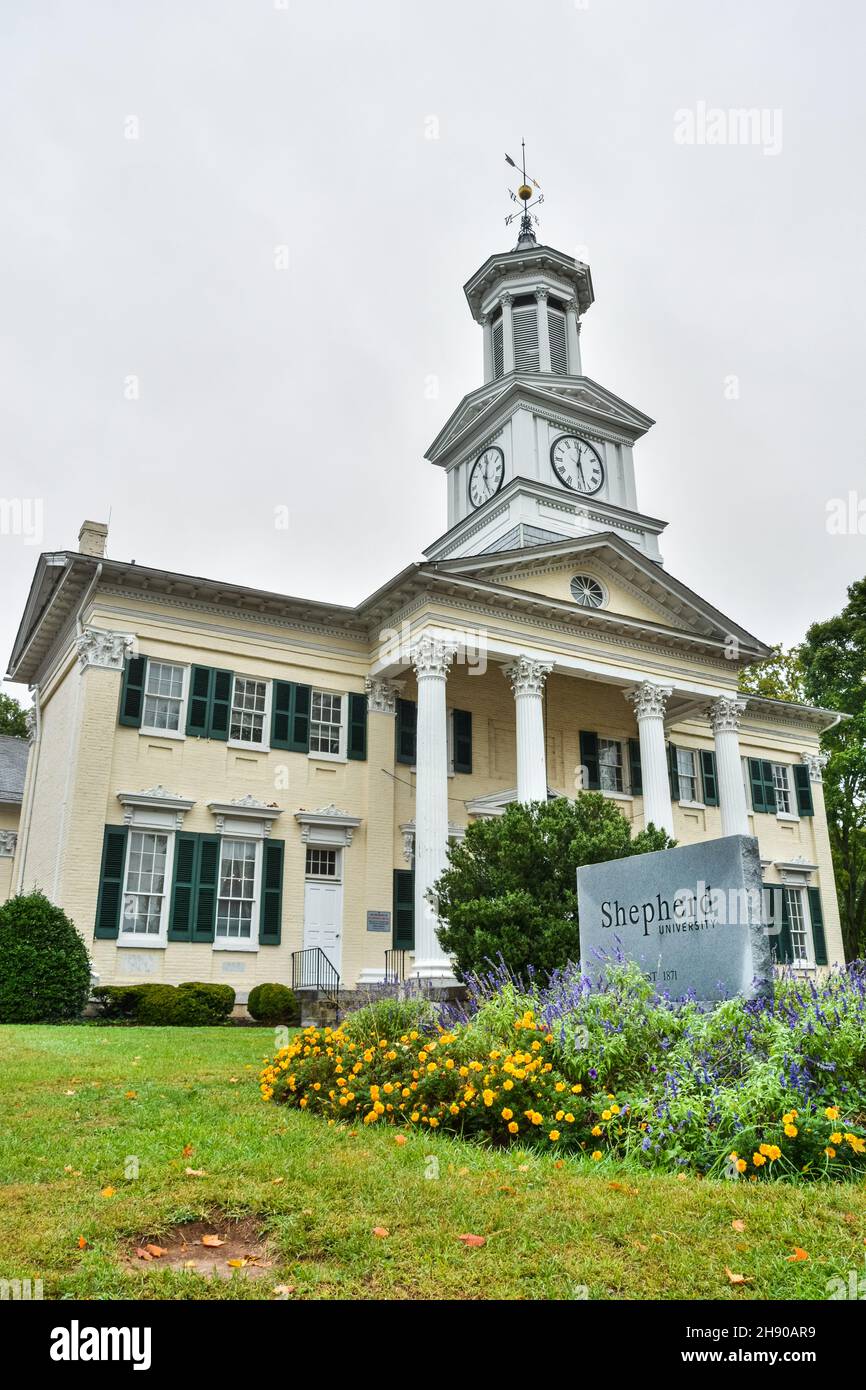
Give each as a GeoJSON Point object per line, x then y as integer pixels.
{"type": "Point", "coordinates": [524, 194]}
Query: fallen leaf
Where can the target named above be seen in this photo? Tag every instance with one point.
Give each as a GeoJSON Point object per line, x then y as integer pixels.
{"type": "Point", "coordinates": [850, 1218]}
{"type": "Point", "coordinates": [798, 1256]}
{"type": "Point", "coordinates": [68, 1168]}
{"type": "Point", "coordinates": [69, 1093]}
{"type": "Point", "coordinates": [624, 1187]}
{"type": "Point", "coordinates": [155, 1251]}
{"type": "Point", "coordinates": [381, 1232]}
{"type": "Point", "coordinates": [640, 1246]}
{"type": "Point", "coordinates": [189, 1264]}
{"type": "Point", "coordinates": [233, 1079]}
{"type": "Point", "coordinates": [195, 1172]}
{"type": "Point", "coordinates": [108, 1191]}
{"type": "Point", "coordinates": [738, 1225]}
{"type": "Point", "coordinates": [143, 1254]}
{"type": "Point", "coordinates": [400, 1139]}
{"type": "Point", "coordinates": [657, 1237]}
{"type": "Point", "coordinates": [187, 1151]}
{"type": "Point", "coordinates": [523, 1168]}
{"type": "Point", "coordinates": [283, 1290]}
{"type": "Point", "coordinates": [131, 1095]}
{"type": "Point", "coordinates": [462, 1172]}
{"type": "Point", "coordinates": [474, 1242]}
{"type": "Point", "coordinates": [737, 1278]}
{"type": "Point", "coordinates": [506, 1188]}
{"type": "Point", "coordinates": [682, 1177]}
{"type": "Point", "coordinates": [212, 1240]}
{"type": "Point", "coordinates": [237, 1264]}
{"type": "Point", "coordinates": [275, 1182]}
{"type": "Point", "coordinates": [82, 1243]}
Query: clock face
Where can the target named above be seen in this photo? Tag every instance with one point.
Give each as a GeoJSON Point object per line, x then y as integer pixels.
{"type": "Point", "coordinates": [488, 470]}
{"type": "Point", "coordinates": [576, 463]}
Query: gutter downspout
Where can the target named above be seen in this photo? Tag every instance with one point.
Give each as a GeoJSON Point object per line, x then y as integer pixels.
{"type": "Point", "coordinates": [61, 835]}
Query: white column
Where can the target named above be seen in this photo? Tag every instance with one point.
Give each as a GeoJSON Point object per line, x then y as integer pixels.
{"type": "Point", "coordinates": [572, 338]}
{"type": "Point", "coordinates": [649, 702]}
{"type": "Point", "coordinates": [487, 325]}
{"type": "Point", "coordinates": [431, 658]}
{"type": "Point", "coordinates": [543, 330]}
{"type": "Point", "coordinates": [507, 301]}
{"type": "Point", "coordinates": [527, 678]}
{"type": "Point", "coordinates": [725, 719]}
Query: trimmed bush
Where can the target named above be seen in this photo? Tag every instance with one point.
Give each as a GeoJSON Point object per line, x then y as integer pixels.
{"type": "Point", "coordinates": [273, 1004]}
{"type": "Point", "coordinates": [44, 965]}
{"type": "Point", "coordinates": [189, 1005]}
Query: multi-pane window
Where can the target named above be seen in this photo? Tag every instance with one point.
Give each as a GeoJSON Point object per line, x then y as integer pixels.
{"type": "Point", "coordinates": [797, 923]}
{"type": "Point", "coordinates": [321, 863]}
{"type": "Point", "coordinates": [249, 708]}
{"type": "Point", "coordinates": [163, 696]}
{"type": "Point", "coordinates": [610, 777]}
{"type": "Point", "coordinates": [687, 774]}
{"type": "Point", "coordinates": [782, 788]}
{"type": "Point", "coordinates": [144, 895]}
{"type": "Point", "coordinates": [237, 889]}
{"type": "Point", "coordinates": [326, 723]}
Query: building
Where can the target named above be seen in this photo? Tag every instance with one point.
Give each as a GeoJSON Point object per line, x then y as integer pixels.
{"type": "Point", "coordinates": [229, 784]}
{"type": "Point", "coordinates": [13, 768]}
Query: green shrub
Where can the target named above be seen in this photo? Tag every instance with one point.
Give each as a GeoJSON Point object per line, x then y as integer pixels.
{"type": "Point", "coordinates": [388, 1018]}
{"type": "Point", "coordinates": [273, 1004]}
{"type": "Point", "coordinates": [44, 965]}
{"type": "Point", "coordinates": [188, 1005]}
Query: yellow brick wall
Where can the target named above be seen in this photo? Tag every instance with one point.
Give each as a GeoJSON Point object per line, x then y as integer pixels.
{"type": "Point", "coordinates": [9, 817]}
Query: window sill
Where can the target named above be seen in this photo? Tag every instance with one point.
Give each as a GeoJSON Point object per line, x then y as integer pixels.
{"type": "Point", "coordinates": [693, 805]}
{"type": "Point", "coordinates": [619, 796]}
{"type": "Point", "coordinates": [134, 943]}
{"type": "Point", "coordinates": [219, 944]}
{"type": "Point", "coordinates": [327, 757]}
{"type": "Point", "coordinates": [786, 816]}
{"type": "Point", "coordinates": [247, 747]}
{"type": "Point", "coordinates": [162, 733]}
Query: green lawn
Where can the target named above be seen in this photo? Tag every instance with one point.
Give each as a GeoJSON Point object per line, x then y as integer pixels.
{"type": "Point", "coordinates": [66, 1104]}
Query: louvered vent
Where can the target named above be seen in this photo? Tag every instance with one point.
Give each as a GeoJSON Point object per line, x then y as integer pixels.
{"type": "Point", "coordinates": [497, 347]}
{"type": "Point", "coordinates": [556, 330]}
{"type": "Point", "coordinates": [526, 339]}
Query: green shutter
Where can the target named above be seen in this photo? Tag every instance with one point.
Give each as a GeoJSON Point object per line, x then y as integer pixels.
{"type": "Point", "coordinates": [673, 772]}
{"type": "Point", "coordinates": [206, 888]}
{"type": "Point", "coordinates": [763, 791]}
{"type": "Point", "coordinates": [635, 774]}
{"type": "Point", "coordinates": [220, 704]}
{"type": "Point", "coordinates": [709, 777]}
{"type": "Point", "coordinates": [784, 947]}
{"type": "Point", "coordinates": [300, 721]}
{"type": "Point", "coordinates": [589, 760]}
{"type": "Point", "coordinates": [132, 691]}
{"type": "Point", "coordinates": [183, 887]}
{"type": "Point", "coordinates": [271, 914]}
{"type": "Point", "coordinates": [406, 726]}
{"type": "Point", "coordinates": [357, 743]}
{"type": "Point", "coordinates": [819, 941]}
{"type": "Point", "coordinates": [462, 723]}
{"type": "Point", "coordinates": [110, 882]}
{"type": "Point", "coordinates": [803, 788]}
{"type": "Point", "coordinates": [282, 700]}
{"type": "Point", "coordinates": [404, 910]}
{"type": "Point", "coordinates": [199, 701]}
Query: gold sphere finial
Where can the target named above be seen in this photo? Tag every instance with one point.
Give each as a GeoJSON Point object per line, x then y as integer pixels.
{"type": "Point", "coordinates": [524, 192]}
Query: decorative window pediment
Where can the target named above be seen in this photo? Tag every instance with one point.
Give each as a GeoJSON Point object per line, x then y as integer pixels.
{"type": "Point", "coordinates": [156, 807]}
{"type": "Point", "coordinates": [327, 826]}
{"type": "Point", "coordinates": [245, 816]}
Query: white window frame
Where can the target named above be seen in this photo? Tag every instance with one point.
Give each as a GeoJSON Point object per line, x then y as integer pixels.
{"type": "Point", "coordinates": [627, 793]}
{"type": "Point", "coordinates": [791, 813]}
{"type": "Point", "coordinates": [180, 731]}
{"type": "Point", "coordinates": [341, 756]}
{"type": "Point", "coordinates": [698, 798]}
{"type": "Point", "coordinates": [799, 895]}
{"type": "Point", "coordinates": [138, 940]}
{"type": "Point", "coordinates": [239, 943]}
{"type": "Point", "coordinates": [265, 743]}
{"type": "Point", "coordinates": [336, 876]}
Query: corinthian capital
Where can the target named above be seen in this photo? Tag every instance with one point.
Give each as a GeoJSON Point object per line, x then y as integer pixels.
{"type": "Point", "coordinates": [725, 714]}
{"type": "Point", "coordinates": [432, 656]}
{"type": "Point", "coordinates": [98, 646]}
{"type": "Point", "coordinates": [527, 675]}
{"type": "Point", "coordinates": [649, 700]}
{"type": "Point", "coordinates": [382, 695]}
{"type": "Point", "coordinates": [815, 762]}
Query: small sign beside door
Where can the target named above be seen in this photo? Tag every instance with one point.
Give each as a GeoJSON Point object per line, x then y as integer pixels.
{"type": "Point", "coordinates": [379, 921]}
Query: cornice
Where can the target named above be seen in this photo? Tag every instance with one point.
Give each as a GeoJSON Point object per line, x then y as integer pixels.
{"type": "Point", "coordinates": [166, 601]}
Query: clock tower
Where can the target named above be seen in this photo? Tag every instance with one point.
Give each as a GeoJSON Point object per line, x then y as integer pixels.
{"type": "Point", "coordinates": [540, 452]}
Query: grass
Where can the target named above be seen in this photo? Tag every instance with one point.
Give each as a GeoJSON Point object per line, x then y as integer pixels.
{"type": "Point", "coordinates": [67, 1095]}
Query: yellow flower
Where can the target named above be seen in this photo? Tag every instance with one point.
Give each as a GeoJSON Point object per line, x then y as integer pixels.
{"type": "Point", "coordinates": [487, 1097]}
{"type": "Point", "coordinates": [560, 1115]}
{"type": "Point", "coordinates": [832, 1112]}
{"type": "Point", "coordinates": [791, 1131]}
{"type": "Point", "coordinates": [759, 1160]}
{"type": "Point", "coordinates": [513, 1127]}
{"type": "Point", "coordinates": [596, 1130]}
{"type": "Point", "coordinates": [596, 1155]}
{"type": "Point", "coordinates": [560, 1086]}
{"type": "Point", "coordinates": [830, 1152]}
{"type": "Point", "coordinates": [507, 1085]}
{"type": "Point", "coordinates": [576, 1090]}
{"type": "Point", "coordinates": [772, 1151]}
{"type": "Point", "coordinates": [605, 1114]}
{"type": "Point", "coordinates": [554, 1135]}
{"type": "Point", "coordinates": [569, 1118]}
{"type": "Point", "coordinates": [835, 1137]}
{"type": "Point", "coordinates": [742, 1165]}
{"type": "Point", "coordinates": [507, 1114]}
{"type": "Point", "coordinates": [614, 1110]}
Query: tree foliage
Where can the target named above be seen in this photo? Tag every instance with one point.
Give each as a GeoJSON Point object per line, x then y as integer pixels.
{"type": "Point", "coordinates": [13, 718]}
{"type": "Point", "coordinates": [44, 965]}
{"type": "Point", "coordinates": [779, 677]}
{"type": "Point", "coordinates": [510, 886]}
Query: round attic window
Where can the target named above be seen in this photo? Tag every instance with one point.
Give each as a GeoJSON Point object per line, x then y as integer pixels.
{"type": "Point", "coordinates": [587, 591]}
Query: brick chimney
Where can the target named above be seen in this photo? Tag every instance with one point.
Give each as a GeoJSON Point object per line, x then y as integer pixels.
{"type": "Point", "coordinates": [92, 538]}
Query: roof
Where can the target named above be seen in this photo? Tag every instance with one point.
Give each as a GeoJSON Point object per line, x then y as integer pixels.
{"type": "Point", "coordinates": [13, 766]}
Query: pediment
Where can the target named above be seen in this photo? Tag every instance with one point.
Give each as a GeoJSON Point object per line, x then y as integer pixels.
{"type": "Point", "coordinates": [635, 588]}
{"type": "Point", "coordinates": [498, 400]}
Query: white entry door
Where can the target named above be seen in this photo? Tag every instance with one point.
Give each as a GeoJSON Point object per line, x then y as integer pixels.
{"type": "Point", "coordinates": [323, 919]}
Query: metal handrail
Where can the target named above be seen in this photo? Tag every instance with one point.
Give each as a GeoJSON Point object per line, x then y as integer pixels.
{"type": "Point", "coordinates": [395, 967]}
{"type": "Point", "coordinates": [312, 969]}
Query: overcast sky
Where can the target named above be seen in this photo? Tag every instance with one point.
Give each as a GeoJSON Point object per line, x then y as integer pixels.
{"type": "Point", "coordinates": [160, 364]}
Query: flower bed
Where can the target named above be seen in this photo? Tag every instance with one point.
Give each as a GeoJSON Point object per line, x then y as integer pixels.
{"type": "Point", "coordinates": [753, 1089]}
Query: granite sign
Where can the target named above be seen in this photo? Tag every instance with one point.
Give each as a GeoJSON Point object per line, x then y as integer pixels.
{"type": "Point", "coordinates": [691, 917]}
